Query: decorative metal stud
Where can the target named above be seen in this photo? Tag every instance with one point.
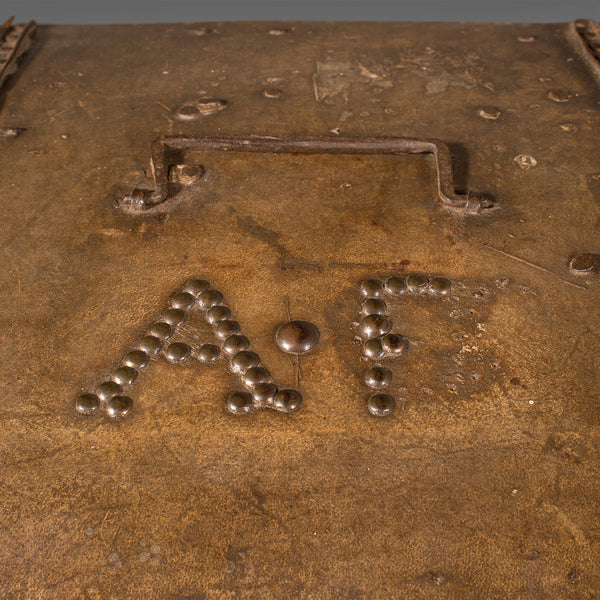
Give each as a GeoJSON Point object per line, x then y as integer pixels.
{"type": "Point", "coordinates": [107, 389]}
{"type": "Point", "coordinates": [174, 317]}
{"type": "Point", "coordinates": [137, 359]}
{"type": "Point", "coordinates": [417, 284]}
{"type": "Point", "coordinates": [209, 298]}
{"type": "Point", "coordinates": [150, 344]}
{"type": "Point", "coordinates": [177, 352]}
{"type": "Point", "coordinates": [371, 288]}
{"type": "Point", "coordinates": [124, 376]}
{"type": "Point", "coordinates": [225, 329]}
{"type": "Point", "coordinates": [244, 360]}
{"type": "Point", "coordinates": [381, 405]}
{"type": "Point", "coordinates": [235, 343]}
{"type": "Point", "coordinates": [195, 286]}
{"type": "Point", "coordinates": [255, 375]}
{"type": "Point", "coordinates": [119, 406]}
{"type": "Point", "coordinates": [394, 343]}
{"type": "Point", "coordinates": [246, 364]}
{"type": "Point", "coordinates": [296, 337]}
{"type": "Point", "coordinates": [373, 306]}
{"type": "Point", "coordinates": [287, 400]}
{"type": "Point", "coordinates": [161, 330]}
{"type": "Point", "coordinates": [239, 403]}
{"type": "Point", "coordinates": [440, 286]}
{"type": "Point", "coordinates": [378, 340]}
{"type": "Point", "coordinates": [183, 301]}
{"type": "Point", "coordinates": [374, 326]}
{"type": "Point", "coordinates": [378, 377]}
{"type": "Point", "coordinates": [217, 314]}
{"type": "Point", "coordinates": [87, 404]}
{"type": "Point", "coordinates": [207, 353]}
{"type": "Point", "coordinates": [396, 286]}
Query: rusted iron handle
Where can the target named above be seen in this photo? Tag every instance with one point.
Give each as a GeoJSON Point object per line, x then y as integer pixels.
{"type": "Point", "coordinates": [143, 200]}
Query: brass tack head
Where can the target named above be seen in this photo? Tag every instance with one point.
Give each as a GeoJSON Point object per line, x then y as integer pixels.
{"type": "Point", "coordinates": [381, 405]}
{"type": "Point", "coordinates": [119, 406]}
{"type": "Point", "coordinates": [296, 337]}
{"type": "Point", "coordinates": [239, 403]}
{"type": "Point", "coordinates": [87, 404]}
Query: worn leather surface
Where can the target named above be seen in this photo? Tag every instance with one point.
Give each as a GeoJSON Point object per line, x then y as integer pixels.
{"type": "Point", "coordinates": [484, 481]}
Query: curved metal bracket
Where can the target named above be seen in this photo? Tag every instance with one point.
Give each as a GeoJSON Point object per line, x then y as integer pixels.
{"type": "Point", "coordinates": [143, 201]}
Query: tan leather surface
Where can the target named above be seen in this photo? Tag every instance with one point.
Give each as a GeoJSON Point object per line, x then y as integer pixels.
{"type": "Point", "coordinates": [483, 483]}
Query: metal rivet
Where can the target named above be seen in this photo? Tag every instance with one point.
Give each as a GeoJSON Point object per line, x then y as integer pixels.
{"type": "Point", "coordinates": [203, 107]}
{"type": "Point", "coordinates": [373, 306]}
{"type": "Point", "coordinates": [87, 404]}
{"type": "Point", "coordinates": [374, 326]}
{"type": "Point", "coordinates": [119, 406]}
{"type": "Point", "coordinates": [124, 376]}
{"type": "Point", "coordinates": [137, 359]}
{"type": "Point", "coordinates": [378, 377]}
{"type": "Point", "coordinates": [239, 403]}
{"type": "Point", "coordinates": [373, 349]}
{"type": "Point", "coordinates": [244, 360]}
{"type": "Point", "coordinates": [174, 317]}
{"type": "Point", "coordinates": [371, 288]}
{"type": "Point", "coordinates": [380, 405]}
{"type": "Point", "coordinates": [440, 286]}
{"type": "Point", "coordinates": [218, 313]}
{"type": "Point", "coordinates": [150, 344]}
{"type": "Point", "coordinates": [182, 301]}
{"type": "Point", "coordinates": [107, 389]}
{"type": "Point", "coordinates": [525, 161]}
{"type": "Point", "coordinates": [417, 284]}
{"type": "Point", "coordinates": [296, 337]}
{"type": "Point", "coordinates": [273, 93]}
{"type": "Point", "coordinates": [583, 263]}
{"type": "Point", "coordinates": [161, 330]}
{"type": "Point", "coordinates": [287, 400]}
{"type": "Point", "coordinates": [177, 352]}
{"type": "Point", "coordinates": [393, 343]}
{"type": "Point", "coordinates": [489, 112]}
{"type": "Point", "coordinates": [207, 353]}
{"type": "Point", "coordinates": [195, 286]}
{"type": "Point", "coordinates": [395, 286]}
{"type": "Point", "coordinates": [225, 329]}
{"type": "Point", "coordinates": [185, 174]}
{"type": "Point", "coordinates": [236, 343]}
{"type": "Point", "coordinates": [256, 375]}
{"type": "Point", "coordinates": [209, 298]}
{"type": "Point", "coordinates": [264, 393]}
{"type": "Point", "coordinates": [559, 95]}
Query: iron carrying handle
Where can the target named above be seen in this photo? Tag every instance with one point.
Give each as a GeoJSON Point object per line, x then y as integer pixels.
{"type": "Point", "coordinates": [140, 201]}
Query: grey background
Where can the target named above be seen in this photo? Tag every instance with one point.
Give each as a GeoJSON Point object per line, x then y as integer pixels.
{"type": "Point", "coordinates": [148, 11]}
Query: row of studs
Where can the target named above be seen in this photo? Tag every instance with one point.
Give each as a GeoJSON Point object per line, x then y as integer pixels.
{"type": "Point", "coordinates": [262, 391]}
{"type": "Point", "coordinates": [108, 394]}
{"type": "Point", "coordinates": [590, 37]}
{"type": "Point", "coordinates": [8, 44]}
{"type": "Point", "coordinates": [246, 364]}
{"type": "Point", "coordinates": [375, 329]}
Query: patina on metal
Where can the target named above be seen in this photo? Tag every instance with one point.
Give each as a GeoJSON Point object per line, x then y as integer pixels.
{"type": "Point", "coordinates": [439, 437]}
{"type": "Point", "coordinates": [295, 337]}
{"type": "Point", "coordinates": [144, 200]}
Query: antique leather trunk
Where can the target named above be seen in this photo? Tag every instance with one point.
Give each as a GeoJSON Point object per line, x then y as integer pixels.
{"type": "Point", "coordinates": [300, 310]}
